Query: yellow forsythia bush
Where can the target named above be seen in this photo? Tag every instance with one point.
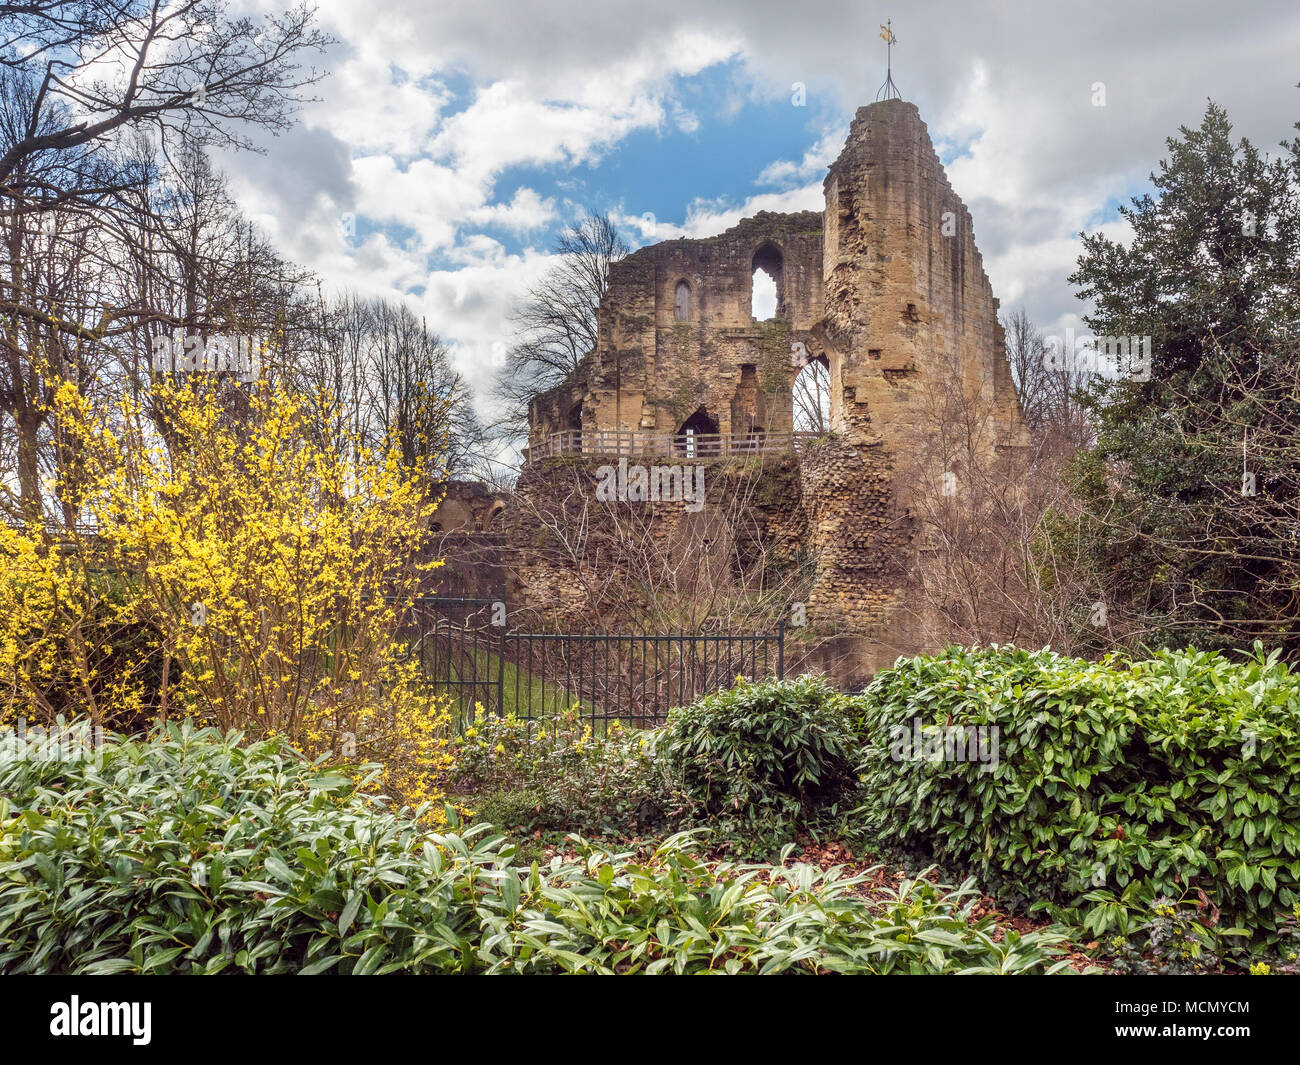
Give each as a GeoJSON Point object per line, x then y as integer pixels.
{"type": "Point", "coordinates": [70, 643]}
{"type": "Point", "coordinates": [269, 565]}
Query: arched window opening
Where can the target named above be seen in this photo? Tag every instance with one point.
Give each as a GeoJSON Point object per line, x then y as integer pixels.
{"type": "Point", "coordinates": [682, 302]}
{"type": "Point", "coordinates": [812, 397]}
{"type": "Point", "coordinates": [698, 435]}
{"type": "Point", "coordinates": [766, 295]}
{"type": "Point", "coordinates": [763, 299]}
{"type": "Point", "coordinates": [574, 427]}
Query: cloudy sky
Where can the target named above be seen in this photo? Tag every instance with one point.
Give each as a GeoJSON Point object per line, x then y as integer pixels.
{"type": "Point", "coordinates": [453, 140]}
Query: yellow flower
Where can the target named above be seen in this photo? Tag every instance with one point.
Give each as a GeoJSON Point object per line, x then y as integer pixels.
{"type": "Point", "coordinates": [270, 526]}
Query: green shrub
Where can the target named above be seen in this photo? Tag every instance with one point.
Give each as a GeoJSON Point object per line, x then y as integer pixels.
{"type": "Point", "coordinates": [1165, 777]}
{"type": "Point", "coordinates": [559, 776]}
{"type": "Point", "coordinates": [190, 854]}
{"type": "Point", "coordinates": [517, 810]}
{"type": "Point", "coordinates": [1179, 937]}
{"type": "Point", "coordinates": [762, 759]}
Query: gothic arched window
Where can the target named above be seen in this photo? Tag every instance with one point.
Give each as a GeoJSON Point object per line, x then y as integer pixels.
{"type": "Point", "coordinates": [766, 296]}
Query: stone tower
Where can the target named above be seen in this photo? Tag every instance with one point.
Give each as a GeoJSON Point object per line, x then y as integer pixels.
{"type": "Point", "coordinates": [907, 302]}
{"type": "Point", "coordinates": [911, 328]}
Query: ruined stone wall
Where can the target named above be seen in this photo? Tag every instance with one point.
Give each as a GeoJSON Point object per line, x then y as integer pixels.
{"type": "Point", "coordinates": [888, 286]}
{"type": "Point", "coordinates": [908, 305]}
{"type": "Point", "coordinates": [651, 370]}
{"type": "Point", "coordinates": [468, 507]}
{"type": "Point", "coordinates": [466, 535]}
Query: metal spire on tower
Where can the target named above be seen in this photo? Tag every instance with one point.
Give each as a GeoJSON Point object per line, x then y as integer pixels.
{"type": "Point", "coordinates": [888, 91]}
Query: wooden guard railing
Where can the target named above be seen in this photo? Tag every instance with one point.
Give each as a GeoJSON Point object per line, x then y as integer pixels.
{"type": "Point", "coordinates": [661, 445]}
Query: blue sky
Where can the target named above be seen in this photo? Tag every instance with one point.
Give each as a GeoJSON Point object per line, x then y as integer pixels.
{"type": "Point", "coordinates": [462, 138]}
{"type": "Point", "coordinates": [701, 155]}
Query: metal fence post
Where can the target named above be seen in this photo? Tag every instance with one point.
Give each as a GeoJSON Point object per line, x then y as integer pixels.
{"type": "Point", "coordinates": [780, 650]}
{"type": "Point", "coordinates": [501, 674]}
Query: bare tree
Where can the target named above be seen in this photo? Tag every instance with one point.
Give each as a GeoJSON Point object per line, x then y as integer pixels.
{"type": "Point", "coordinates": [418, 399]}
{"type": "Point", "coordinates": [376, 372]}
{"type": "Point", "coordinates": [83, 290]}
{"type": "Point", "coordinates": [331, 365]}
{"type": "Point", "coordinates": [1048, 393]}
{"type": "Point", "coordinates": [55, 263]}
{"type": "Point", "coordinates": [555, 323]}
{"type": "Point", "coordinates": [1025, 353]}
{"type": "Point", "coordinates": [657, 567]}
{"type": "Point", "coordinates": [997, 534]}
{"type": "Point", "coordinates": [190, 68]}
{"type": "Point", "coordinates": [812, 398]}
{"type": "Point", "coordinates": [112, 218]}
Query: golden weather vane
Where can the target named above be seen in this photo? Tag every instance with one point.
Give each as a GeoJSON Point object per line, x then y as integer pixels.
{"type": "Point", "coordinates": [889, 91]}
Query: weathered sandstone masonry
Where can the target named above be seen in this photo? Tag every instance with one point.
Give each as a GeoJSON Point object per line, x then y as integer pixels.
{"type": "Point", "coordinates": [678, 347]}
{"type": "Point", "coordinates": [887, 289]}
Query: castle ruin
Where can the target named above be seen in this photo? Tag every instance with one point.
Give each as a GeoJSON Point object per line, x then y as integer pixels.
{"type": "Point", "coordinates": [886, 289]}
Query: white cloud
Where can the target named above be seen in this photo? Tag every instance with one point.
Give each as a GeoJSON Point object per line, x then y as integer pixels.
{"type": "Point", "coordinates": [374, 107]}
{"type": "Point", "coordinates": [813, 164]}
{"type": "Point", "coordinates": [686, 120]}
{"type": "Point", "coordinates": [525, 213]}
{"type": "Point", "coordinates": [1006, 92]}
{"type": "Point", "coordinates": [424, 195]}
{"type": "Point", "coordinates": [504, 127]}
{"type": "Point", "coordinates": [704, 218]}
{"type": "Point", "coordinates": [471, 306]}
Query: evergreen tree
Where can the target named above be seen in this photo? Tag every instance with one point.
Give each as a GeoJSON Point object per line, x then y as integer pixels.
{"type": "Point", "coordinates": [1193, 489]}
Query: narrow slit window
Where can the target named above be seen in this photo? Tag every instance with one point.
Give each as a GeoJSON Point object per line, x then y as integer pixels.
{"type": "Point", "coordinates": [682, 302]}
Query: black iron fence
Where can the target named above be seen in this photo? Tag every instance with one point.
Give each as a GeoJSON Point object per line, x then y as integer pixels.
{"type": "Point", "coordinates": [632, 678]}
